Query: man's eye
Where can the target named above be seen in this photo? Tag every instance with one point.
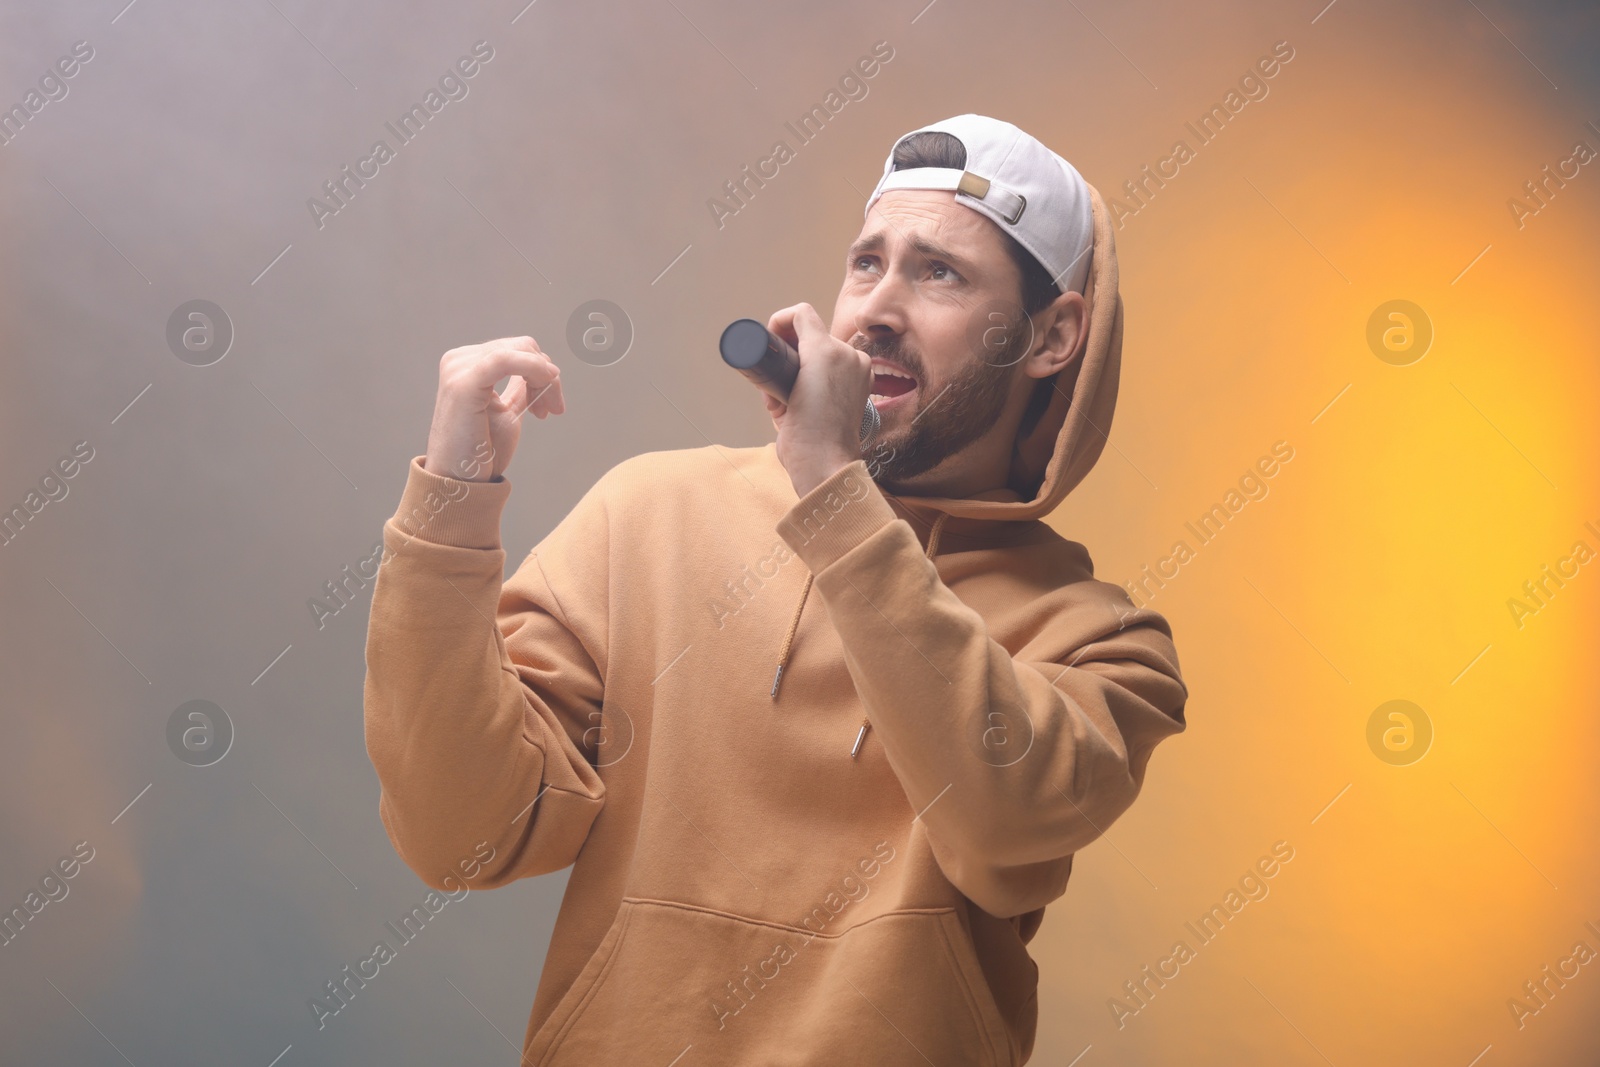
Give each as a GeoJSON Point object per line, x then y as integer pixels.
{"type": "Point", "coordinates": [941, 271]}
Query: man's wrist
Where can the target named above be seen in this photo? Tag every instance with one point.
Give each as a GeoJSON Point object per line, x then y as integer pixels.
{"type": "Point", "coordinates": [470, 469]}
{"type": "Point", "coordinates": [816, 470]}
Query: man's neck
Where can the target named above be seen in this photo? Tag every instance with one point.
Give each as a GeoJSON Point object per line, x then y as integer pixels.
{"type": "Point", "coordinates": [969, 472]}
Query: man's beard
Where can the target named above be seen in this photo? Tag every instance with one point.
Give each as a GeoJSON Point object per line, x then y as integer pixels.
{"type": "Point", "coordinates": [963, 410]}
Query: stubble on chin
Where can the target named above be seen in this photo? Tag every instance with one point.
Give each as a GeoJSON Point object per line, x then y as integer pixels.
{"type": "Point", "coordinates": [959, 414]}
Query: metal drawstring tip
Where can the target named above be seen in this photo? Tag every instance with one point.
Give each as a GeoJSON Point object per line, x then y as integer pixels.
{"type": "Point", "coordinates": [861, 735]}
{"type": "Point", "coordinates": [776, 678]}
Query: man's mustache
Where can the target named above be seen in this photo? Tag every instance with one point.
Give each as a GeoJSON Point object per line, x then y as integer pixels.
{"type": "Point", "coordinates": [891, 349]}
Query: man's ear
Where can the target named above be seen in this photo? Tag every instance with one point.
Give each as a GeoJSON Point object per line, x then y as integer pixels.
{"type": "Point", "coordinates": [1063, 327]}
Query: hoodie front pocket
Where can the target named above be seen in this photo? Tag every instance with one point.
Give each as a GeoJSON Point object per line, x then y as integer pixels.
{"type": "Point", "coordinates": [898, 988]}
{"type": "Point", "coordinates": [583, 989]}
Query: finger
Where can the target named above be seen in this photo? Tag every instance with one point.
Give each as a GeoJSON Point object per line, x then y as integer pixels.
{"type": "Point", "coordinates": [521, 344]}
{"type": "Point", "coordinates": [499, 362]}
{"type": "Point", "coordinates": [525, 346]}
{"type": "Point", "coordinates": [547, 400]}
{"type": "Point", "coordinates": [807, 322]}
{"type": "Point", "coordinates": [782, 323]}
{"type": "Point", "coordinates": [812, 332]}
{"type": "Point", "coordinates": [514, 396]}
{"type": "Point", "coordinates": [539, 403]}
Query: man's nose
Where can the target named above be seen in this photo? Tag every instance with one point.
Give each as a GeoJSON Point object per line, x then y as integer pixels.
{"type": "Point", "coordinates": [884, 311]}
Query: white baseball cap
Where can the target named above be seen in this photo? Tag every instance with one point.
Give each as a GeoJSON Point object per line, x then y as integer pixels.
{"type": "Point", "coordinates": [1011, 178]}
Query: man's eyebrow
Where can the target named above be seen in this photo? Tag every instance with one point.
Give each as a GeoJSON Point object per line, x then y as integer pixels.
{"type": "Point", "coordinates": [872, 242]}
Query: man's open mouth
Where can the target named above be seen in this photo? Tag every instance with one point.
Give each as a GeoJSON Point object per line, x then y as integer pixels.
{"type": "Point", "coordinates": [890, 383]}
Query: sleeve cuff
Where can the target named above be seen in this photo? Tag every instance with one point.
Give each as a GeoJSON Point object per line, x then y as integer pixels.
{"type": "Point", "coordinates": [451, 511]}
{"type": "Point", "coordinates": [841, 512]}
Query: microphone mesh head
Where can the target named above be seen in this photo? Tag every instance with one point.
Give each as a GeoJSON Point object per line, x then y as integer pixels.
{"type": "Point", "coordinates": [870, 421]}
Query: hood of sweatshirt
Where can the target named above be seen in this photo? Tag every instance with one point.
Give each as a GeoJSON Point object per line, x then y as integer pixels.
{"type": "Point", "coordinates": [1050, 461]}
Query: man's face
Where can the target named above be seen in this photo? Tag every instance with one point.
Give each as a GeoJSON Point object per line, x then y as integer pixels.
{"type": "Point", "coordinates": [930, 290]}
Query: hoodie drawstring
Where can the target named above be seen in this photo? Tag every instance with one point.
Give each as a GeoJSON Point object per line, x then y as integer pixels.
{"type": "Point", "coordinates": [794, 625]}
{"type": "Point", "coordinates": [788, 641]}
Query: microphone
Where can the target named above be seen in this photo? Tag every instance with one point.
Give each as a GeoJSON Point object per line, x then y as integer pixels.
{"type": "Point", "coordinates": [772, 364]}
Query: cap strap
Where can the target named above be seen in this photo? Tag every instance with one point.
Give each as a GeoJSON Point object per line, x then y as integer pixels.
{"type": "Point", "coordinates": [1007, 204]}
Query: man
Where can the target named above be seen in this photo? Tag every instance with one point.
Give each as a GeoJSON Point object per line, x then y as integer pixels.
{"type": "Point", "coordinates": [798, 837]}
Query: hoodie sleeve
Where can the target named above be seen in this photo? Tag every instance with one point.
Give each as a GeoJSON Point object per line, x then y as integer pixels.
{"type": "Point", "coordinates": [475, 726]}
{"type": "Point", "coordinates": [1014, 762]}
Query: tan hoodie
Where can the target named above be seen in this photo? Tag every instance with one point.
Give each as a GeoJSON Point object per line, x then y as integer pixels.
{"type": "Point", "coordinates": [745, 890]}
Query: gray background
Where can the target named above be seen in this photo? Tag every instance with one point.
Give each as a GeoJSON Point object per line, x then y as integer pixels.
{"type": "Point", "coordinates": [180, 564]}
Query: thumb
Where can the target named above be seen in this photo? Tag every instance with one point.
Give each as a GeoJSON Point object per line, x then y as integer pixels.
{"type": "Point", "coordinates": [514, 401]}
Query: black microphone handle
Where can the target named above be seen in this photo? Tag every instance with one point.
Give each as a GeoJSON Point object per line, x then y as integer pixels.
{"type": "Point", "coordinates": [772, 364]}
